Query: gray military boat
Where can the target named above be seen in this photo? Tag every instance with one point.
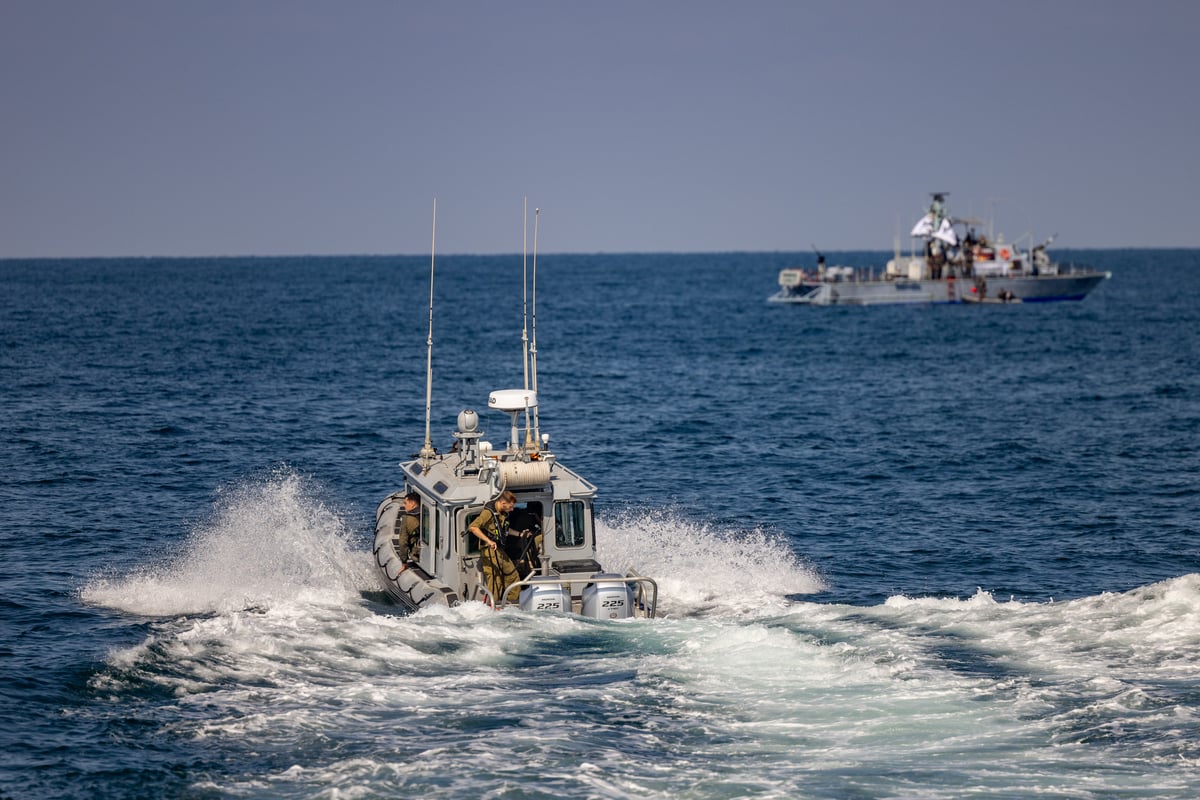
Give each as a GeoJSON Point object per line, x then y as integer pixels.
{"type": "Point", "coordinates": [554, 510]}
{"type": "Point", "coordinates": [954, 265]}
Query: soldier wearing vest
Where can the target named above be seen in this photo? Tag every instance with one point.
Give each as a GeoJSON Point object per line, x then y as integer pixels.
{"type": "Point", "coordinates": [407, 538]}
{"type": "Point", "coordinates": [523, 544]}
{"type": "Point", "coordinates": [491, 528]}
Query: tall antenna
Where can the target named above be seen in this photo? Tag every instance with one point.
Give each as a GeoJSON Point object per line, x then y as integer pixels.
{"type": "Point", "coordinates": [427, 452]}
{"type": "Point", "coordinates": [537, 433]}
{"type": "Point", "coordinates": [525, 290]}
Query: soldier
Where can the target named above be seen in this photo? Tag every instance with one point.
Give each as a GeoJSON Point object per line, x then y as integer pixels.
{"type": "Point", "coordinates": [491, 529]}
{"type": "Point", "coordinates": [407, 540]}
{"type": "Point", "coordinates": [524, 541]}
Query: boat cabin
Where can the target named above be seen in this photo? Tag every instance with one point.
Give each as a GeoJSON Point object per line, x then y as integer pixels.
{"type": "Point", "coordinates": [554, 507]}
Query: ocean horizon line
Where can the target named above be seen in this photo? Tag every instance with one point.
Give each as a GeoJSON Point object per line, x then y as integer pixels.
{"type": "Point", "coordinates": [556, 254]}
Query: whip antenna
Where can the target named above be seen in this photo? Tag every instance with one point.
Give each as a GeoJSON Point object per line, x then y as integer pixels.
{"type": "Point", "coordinates": [525, 290]}
{"type": "Point", "coordinates": [427, 452]}
{"type": "Point", "coordinates": [537, 434]}
{"type": "Point", "coordinates": [529, 441]}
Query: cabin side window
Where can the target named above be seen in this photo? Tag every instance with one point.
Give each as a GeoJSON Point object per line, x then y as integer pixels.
{"type": "Point", "coordinates": [425, 526]}
{"type": "Point", "coordinates": [569, 529]}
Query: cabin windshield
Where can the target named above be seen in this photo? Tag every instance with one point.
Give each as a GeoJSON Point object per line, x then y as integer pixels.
{"type": "Point", "coordinates": [569, 524]}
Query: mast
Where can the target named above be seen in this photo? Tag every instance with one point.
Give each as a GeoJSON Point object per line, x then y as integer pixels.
{"type": "Point", "coordinates": [427, 452]}
{"type": "Point", "coordinates": [530, 444]}
{"type": "Point", "coordinates": [525, 289]}
{"type": "Point", "coordinates": [537, 434]}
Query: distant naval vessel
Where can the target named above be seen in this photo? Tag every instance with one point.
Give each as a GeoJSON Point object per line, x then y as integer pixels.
{"type": "Point", "coordinates": [955, 265]}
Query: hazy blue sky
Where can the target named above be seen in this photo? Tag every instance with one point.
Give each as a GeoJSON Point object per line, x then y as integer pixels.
{"type": "Point", "coordinates": [163, 127]}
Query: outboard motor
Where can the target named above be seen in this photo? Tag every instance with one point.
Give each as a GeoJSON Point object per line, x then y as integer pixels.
{"type": "Point", "coordinates": [546, 594]}
{"type": "Point", "coordinates": [607, 599]}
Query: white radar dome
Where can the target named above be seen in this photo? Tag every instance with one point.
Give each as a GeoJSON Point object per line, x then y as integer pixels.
{"type": "Point", "coordinates": [512, 399]}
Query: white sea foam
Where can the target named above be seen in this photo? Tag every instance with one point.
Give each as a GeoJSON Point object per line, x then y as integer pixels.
{"type": "Point", "coordinates": [949, 694]}
{"type": "Point", "coordinates": [267, 542]}
{"type": "Point", "coordinates": [1152, 627]}
{"type": "Point", "coordinates": [734, 686]}
{"type": "Point", "coordinates": [700, 568]}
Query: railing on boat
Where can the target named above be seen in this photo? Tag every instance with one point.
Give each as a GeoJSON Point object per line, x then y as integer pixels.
{"type": "Point", "coordinates": [639, 584]}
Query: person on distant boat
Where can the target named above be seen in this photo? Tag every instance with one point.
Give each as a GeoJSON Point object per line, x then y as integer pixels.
{"type": "Point", "coordinates": [491, 529]}
{"type": "Point", "coordinates": [407, 539]}
{"type": "Point", "coordinates": [1040, 259]}
{"type": "Point", "coordinates": [937, 209]}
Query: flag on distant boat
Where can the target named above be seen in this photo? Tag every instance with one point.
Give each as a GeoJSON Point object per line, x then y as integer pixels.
{"type": "Point", "coordinates": [946, 233]}
{"type": "Point", "coordinates": [924, 226]}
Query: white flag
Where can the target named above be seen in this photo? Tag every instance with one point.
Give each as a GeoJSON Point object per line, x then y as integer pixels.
{"type": "Point", "coordinates": [924, 226]}
{"type": "Point", "coordinates": [946, 233]}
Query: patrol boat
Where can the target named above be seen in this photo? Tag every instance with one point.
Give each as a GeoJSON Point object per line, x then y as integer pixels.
{"type": "Point", "coordinates": [953, 267]}
{"type": "Point", "coordinates": [554, 512]}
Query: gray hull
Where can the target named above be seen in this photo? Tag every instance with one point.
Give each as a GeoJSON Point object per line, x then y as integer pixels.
{"type": "Point", "coordinates": [1026, 289]}
{"type": "Point", "coordinates": [1047, 289]}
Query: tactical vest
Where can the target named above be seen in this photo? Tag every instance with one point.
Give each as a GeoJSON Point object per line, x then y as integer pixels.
{"type": "Point", "coordinates": [497, 527]}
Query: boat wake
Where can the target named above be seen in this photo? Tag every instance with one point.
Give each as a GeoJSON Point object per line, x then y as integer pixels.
{"type": "Point", "coordinates": [268, 639]}
{"type": "Point", "coordinates": [1153, 631]}
{"type": "Point", "coordinates": [705, 570]}
{"type": "Point", "coordinates": [273, 541]}
{"type": "Point", "coordinates": [266, 542]}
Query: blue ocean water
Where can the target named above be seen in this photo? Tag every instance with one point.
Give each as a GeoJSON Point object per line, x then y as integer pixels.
{"type": "Point", "coordinates": [903, 551]}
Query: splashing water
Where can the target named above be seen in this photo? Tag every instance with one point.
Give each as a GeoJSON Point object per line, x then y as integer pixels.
{"type": "Point", "coordinates": [735, 669]}
{"type": "Point", "coordinates": [268, 542]}
{"type": "Point", "coordinates": [701, 569]}
{"type": "Point", "coordinates": [271, 541]}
